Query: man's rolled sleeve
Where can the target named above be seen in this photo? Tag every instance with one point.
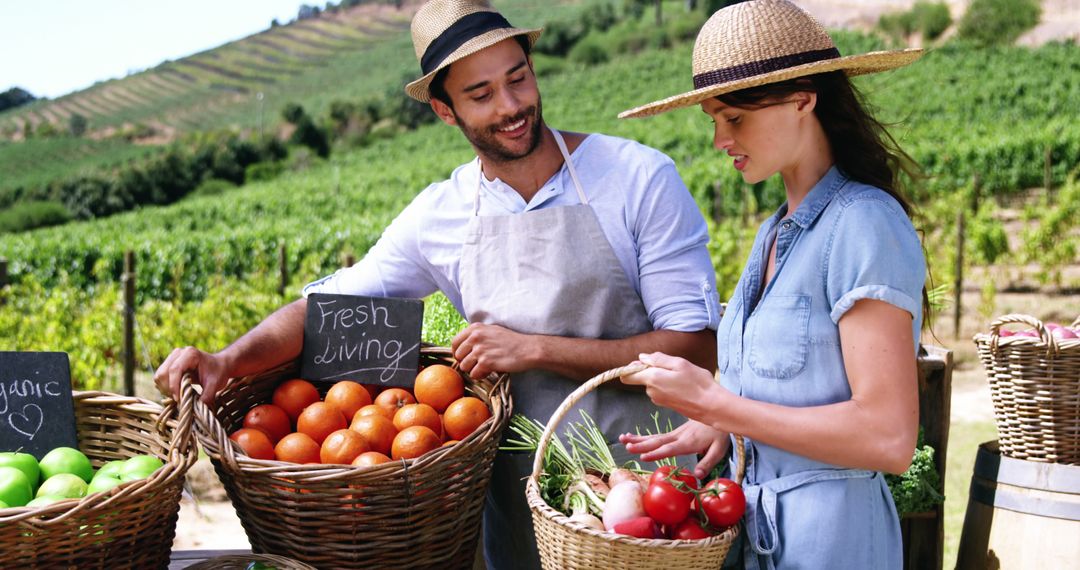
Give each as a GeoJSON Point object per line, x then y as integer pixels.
{"type": "Point", "coordinates": [678, 283]}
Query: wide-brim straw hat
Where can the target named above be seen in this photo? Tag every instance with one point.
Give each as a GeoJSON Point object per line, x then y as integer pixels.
{"type": "Point", "coordinates": [765, 41]}
{"type": "Point", "coordinates": [444, 31]}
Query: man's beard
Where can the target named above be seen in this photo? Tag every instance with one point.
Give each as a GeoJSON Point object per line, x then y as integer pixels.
{"type": "Point", "coordinates": [486, 140]}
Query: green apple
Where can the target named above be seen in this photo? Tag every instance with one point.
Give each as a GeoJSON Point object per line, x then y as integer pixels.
{"type": "Point", "coordinates": [102, 483]}
{"type": "Point", "coordinates": [45, 501]}
{"type": "Point", "coordinates": [15, 489]}
{"type": "Point", "coordinates": [110, 469]}
{"type": "Point", "coordinates": [66, 485]}
{"type": "Point", "coordinates": [24, 462]}
{"type": "Point", "coordinates": [66, 460]}
{"type": "Point", "coordinates": [140, 467]}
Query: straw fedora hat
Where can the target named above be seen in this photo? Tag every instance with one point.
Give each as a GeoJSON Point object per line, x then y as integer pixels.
{"type": "Point", "coordinates": [765, 41]}
{"type": "Point", "coordinates": [444, 31]}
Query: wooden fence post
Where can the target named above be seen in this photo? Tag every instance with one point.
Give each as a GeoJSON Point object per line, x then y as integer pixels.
{"type": "Point", "coordinates": [128, 280]}
{"type": "Point", "coordinates": [3, 276]}
{"type": "Point", "coordinates": [349, 260]}
{"type": "Point", "coordinates": [1048, 168]}
{"type": "Point", "coordinates": [283, 271]}
{"type": "Point", "coordinates": [958, 284]}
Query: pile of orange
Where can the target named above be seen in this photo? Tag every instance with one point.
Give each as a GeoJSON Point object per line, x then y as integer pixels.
{"type": "Point", "coordinates": [360, 424]}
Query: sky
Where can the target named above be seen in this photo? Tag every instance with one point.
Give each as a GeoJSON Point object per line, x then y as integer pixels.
{"type": "Point", "coordinates": [53, 47]}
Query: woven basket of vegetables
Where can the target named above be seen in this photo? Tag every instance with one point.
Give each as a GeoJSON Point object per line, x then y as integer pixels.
{"type": "Point", "coordinates": [127, 523]}
{"type": "Point", "coordinates": [421, 512]}
{"type": "Point", "coordinates": [633, 532]}
{"type": "Point", "coordinates": [1034, 377]}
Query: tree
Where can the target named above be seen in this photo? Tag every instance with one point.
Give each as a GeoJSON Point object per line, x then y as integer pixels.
{"type": "Point", "coordinates": [77, 125]}
{"type": "Point", "coordinates": [15, 97]}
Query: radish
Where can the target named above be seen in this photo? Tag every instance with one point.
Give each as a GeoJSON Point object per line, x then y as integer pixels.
{"type": "Point", "coordinates": [1063, 333]}
{"type": "Point", "coordinates": [639, 527]}
{"type": "Point", "coordinates": [1005, 332]}
{"type": "Point", "coordinates": [623, 503]}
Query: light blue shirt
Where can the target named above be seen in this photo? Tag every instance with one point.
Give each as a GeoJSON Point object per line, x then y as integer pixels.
{"type": "Point", "coordinates": [651, 221]}
{"type": "Point", "coordinates": [845, 242]}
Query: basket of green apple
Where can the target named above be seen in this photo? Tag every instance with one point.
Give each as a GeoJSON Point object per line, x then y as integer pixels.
{"type": "Point", "coordinates": [111, 503]}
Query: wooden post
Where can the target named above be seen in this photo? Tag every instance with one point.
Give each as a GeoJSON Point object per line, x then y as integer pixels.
{"type": "Point", "coordinates": [128, 279]}
{"type": "Point", "coordinates": [976, 193]}
{"type": "Point", "coordinates": [659, 13]}
{"type": "Point", "coordinates": [283, 271]}
{"type": "Point", "coordinates": [3, 276]}
{"type": "Point", "coordinates": [958, 284]}
{"type": "Point", "coordinates": [1048, 168]}
{"type": "Point", "coordinates": [717, 202]}
{"type": "Point", "coordinates": [350, 260]}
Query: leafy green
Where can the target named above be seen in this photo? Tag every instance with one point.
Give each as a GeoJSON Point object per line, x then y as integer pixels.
{"type": "Point", "coordinates": [919, 488]}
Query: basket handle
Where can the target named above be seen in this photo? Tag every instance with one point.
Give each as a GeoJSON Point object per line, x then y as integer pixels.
{"type": "Point", "coordinates": [209, 423]}
{"type": "Point", "coordinates": [1044, 335]}
{"type": "Point", "coordinates": [183, 437]}
{"type": "Point", "coordinates": [589, 386]}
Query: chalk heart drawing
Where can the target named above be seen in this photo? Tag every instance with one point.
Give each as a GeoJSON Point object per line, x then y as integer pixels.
{"type": "Point", "coordinates": [28, 422]}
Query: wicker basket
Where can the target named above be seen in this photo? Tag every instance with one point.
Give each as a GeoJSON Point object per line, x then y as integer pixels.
{"type": "Point", "coordinates": [129, 526]}
{"type": "Point", "coordinates": [1035, 387]}
{"type": "Point", "coordinates": [245, 561]}
{"type": "Point", "coordinates": [420, 513]}
{"type": "Point", "coordinates": [566, 545]}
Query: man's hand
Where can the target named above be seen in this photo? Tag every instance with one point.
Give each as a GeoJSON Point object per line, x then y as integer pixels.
{"type": "Point", "coordinates": [482, 349]}
{"type": "Point", "coordinates": [210, 368]}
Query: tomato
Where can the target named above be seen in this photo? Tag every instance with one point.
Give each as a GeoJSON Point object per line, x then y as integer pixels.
{"type": "Point", "coordinates": [683, 474]}
{"type": "Point", "coordinates": [722, 501]}
{"type": "Point", "coordinates": [689, 529]}
{"type": "Point", "coordinates": [666, 504]}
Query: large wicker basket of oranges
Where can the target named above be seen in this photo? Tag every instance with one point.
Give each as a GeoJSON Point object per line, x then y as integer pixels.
{"type": "Point", "coordinates": [407, 493]}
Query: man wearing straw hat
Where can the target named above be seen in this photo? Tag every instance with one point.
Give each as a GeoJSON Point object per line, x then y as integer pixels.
{"type": "Point", "coordinates": [569, 254]}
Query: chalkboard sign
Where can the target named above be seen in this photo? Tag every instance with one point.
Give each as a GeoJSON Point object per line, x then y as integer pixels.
{"type": "Point", "coordinates": [37, 412]}
{"type": "Point", "coordinates": [374, 340]}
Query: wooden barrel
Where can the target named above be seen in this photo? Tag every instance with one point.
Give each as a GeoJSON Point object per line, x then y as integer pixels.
{"type": "Point", "coordinates": [1021, 514]}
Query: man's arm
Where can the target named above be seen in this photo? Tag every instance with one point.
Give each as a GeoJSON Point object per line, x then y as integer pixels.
{"type": "Point", "coordinates": [277, 339]}
{"type": "Point", "coordinates": [481, 349]}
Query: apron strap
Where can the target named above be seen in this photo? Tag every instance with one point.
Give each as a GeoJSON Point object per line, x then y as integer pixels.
{"type": "Point", "coordinates": [762, 537]}
{"type": "Point", "coordinates": [566, 159]}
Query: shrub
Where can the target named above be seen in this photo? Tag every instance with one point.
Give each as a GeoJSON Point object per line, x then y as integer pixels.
{"type": "Point", "coordinates": [212, 187]}
{"type": "Point", "coordinates": [30, 215]}
{"type": "Point", "coordinates": [560, 36]}
{"type": "Point", "coordinates": [998, 22]}
{"type": "Point", "coordinates": [589, 52]}
{"type": "Point", "coordinates": [931, 19]}
{"type": "Point", "coordinates": [263, 171]}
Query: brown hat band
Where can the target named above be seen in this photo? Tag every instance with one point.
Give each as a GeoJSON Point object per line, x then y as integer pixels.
{"type": "Point", "coordinates": [761, 67]}
{"type": "Point", "coordinates": [461, 31]}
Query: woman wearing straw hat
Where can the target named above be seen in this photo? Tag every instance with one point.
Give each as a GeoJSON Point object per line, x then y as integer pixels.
{"type": "Point", "coordinates": [569, 254]}
{"type": "Point", "coordinates": [817, 346]}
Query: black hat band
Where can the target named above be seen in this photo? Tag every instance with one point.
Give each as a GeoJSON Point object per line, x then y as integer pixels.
{"type": "Point", "coordinates": [755, 68]}
{"type": "Point", "coordinates": [461, 31]}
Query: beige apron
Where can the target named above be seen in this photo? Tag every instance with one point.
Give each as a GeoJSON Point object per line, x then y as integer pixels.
{"type": "Point", "coordinates": [549, 272]}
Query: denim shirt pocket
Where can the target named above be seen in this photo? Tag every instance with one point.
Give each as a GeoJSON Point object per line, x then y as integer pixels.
{"type": "Point", "coordinates": [780, 336]}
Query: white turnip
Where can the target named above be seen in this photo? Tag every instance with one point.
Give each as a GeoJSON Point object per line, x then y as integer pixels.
{"type": "Point", "coordinates": [623, 503]}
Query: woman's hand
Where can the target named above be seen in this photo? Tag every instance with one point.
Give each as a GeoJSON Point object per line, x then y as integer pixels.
{"type": "Point", "coordinates": [690, 438]}
{"type": "Point", "coordinates": [676, 384]}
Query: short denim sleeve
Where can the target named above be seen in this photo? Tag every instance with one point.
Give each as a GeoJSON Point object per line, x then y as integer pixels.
{"type": "Point", "coordinates": [874, 254]}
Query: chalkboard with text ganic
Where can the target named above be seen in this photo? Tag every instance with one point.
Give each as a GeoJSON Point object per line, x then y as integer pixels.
{"type": "Point", "coordinates": [37, 412]}
{"type": "Point", "coordinates": [373, 340]}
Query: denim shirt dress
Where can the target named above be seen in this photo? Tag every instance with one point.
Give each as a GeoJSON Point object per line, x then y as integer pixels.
{"type": "Point", "coordinates": [845, 242]}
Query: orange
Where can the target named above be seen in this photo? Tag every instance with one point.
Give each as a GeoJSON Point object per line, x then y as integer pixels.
{"type": "Point", "coordinates": [320, 420]}
{"type": "Point", "coordinates": [418, 415]}
{"type": "Point", "coordinates": [375, 410]}
{"type": "Point", "coordinates": [438, 385]}
{"type": "Point", "coordinates": [413, 442]}
{"type": "Point", "coordinates": [391, 399]}
{"type": "Point", "coordinates": [295, 395]}
{"type": "Point", "coordinates": [347, 396]}
{"type": "Point", "coordinates": [272, 420]}
{"type": "Point", "coordinates": [369, 458]}
{"type": "Point", "coordinates": [376, 429]}
{"type": "Point", "coordinates": [342, 446]}
{"type": "Point", "coordinates": [464, 416]}
{"type": "Point", "coordinates": [297, 448]}
{"type": "Point", "coordinates": [255, 443]}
